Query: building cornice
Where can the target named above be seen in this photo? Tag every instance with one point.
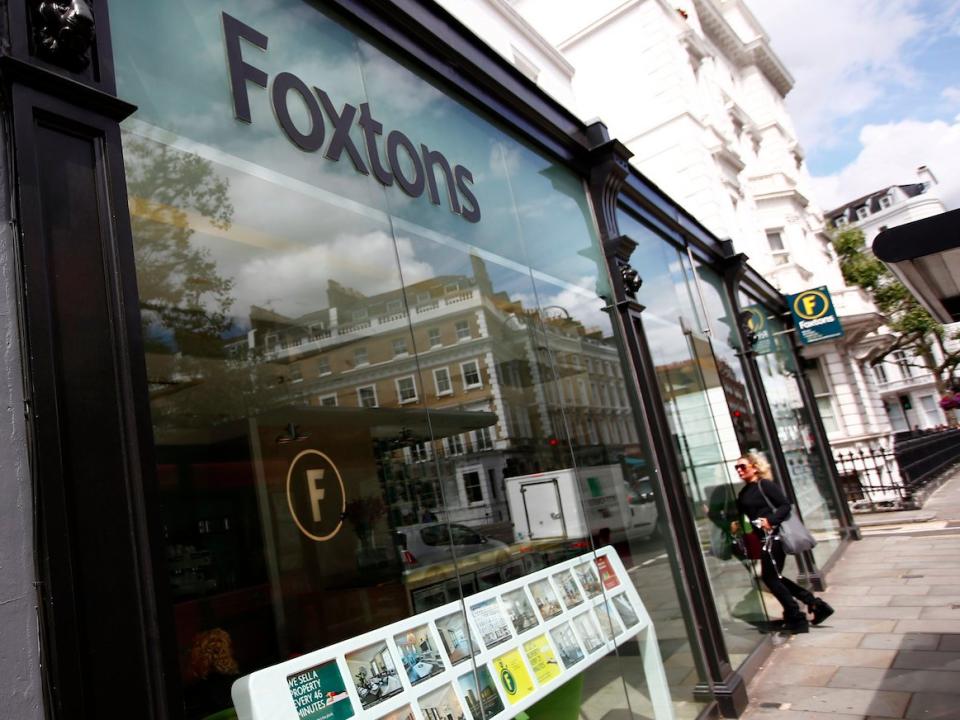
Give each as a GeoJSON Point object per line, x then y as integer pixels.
{"type": "Point", "coordinates": [529, 32]}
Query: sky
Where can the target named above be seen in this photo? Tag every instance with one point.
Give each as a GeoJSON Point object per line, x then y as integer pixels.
{"type": "Point", "coordinates": [876, 91]}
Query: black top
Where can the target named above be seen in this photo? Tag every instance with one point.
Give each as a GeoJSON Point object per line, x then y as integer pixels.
{"type": "Point", "coordinates": [750, 502]}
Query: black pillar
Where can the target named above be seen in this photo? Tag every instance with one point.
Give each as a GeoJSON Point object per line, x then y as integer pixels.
{"type": "Point", "coordinates": [85, 384]}
{"type": "Point", "coordinates": [607, 172]}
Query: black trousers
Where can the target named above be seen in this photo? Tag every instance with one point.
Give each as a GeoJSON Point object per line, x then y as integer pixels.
{"type": "Point", "coordinates": [784, 589]}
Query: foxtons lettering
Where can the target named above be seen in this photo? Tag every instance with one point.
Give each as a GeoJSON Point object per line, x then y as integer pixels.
{"type": "Point", "coordinates": [417, 174]}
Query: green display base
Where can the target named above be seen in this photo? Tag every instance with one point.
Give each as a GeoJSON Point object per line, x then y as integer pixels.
{"type": "Point", "coordinates": [562, 704]}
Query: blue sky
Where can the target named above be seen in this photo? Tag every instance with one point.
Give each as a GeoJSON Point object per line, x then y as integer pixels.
{"type": "Point", "coordinates": [877, 90]}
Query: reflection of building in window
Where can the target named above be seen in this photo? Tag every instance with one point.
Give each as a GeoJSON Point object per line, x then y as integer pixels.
{"type": "Point", "coordinates": [471, 375]}
{"type": "Point", "coordinates": [441, 380]}
{"type": "Point", "coordinates": [512, 364]}
{"type": "Point", "coordinates": [472, 487]}
{"type": "Point", "coordinates": [367, 396]}
{"type": "Point", "coordinates": [824, 397]}
{"type": "Point", "coordinates": [406, 389]}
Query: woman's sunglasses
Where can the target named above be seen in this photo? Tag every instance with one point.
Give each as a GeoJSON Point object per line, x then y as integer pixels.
{"type": "Point", "coordinates": [741, 466]}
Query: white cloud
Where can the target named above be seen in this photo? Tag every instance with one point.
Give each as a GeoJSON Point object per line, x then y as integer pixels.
{"type": "Point", "coordinates": [890, 155]}
{"type": "Point", "coordinates": [841, 54]}
{"type": "Point", "coordinates": [295, 283]}
{"type": "Point", "coordinates": [951, 94]}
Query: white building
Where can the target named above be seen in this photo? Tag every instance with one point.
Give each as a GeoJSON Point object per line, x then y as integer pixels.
{"type": "Point", "coordinates": [908, 390]}
{"type": "Point", "coordinates": [695, 91]}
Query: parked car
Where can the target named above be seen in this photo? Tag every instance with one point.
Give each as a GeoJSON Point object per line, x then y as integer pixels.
{"type": "Point", "coordinates": [429, 543]}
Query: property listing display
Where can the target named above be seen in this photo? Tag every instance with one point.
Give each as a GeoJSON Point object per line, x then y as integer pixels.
{"type": "Point", "coordinates": [526, 638]}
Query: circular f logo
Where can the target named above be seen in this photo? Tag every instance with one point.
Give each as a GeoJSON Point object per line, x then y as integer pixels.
{"type": "Point", "coordinates": [811, 304]}
{"type": "Point", "coordinates": [315, 495]}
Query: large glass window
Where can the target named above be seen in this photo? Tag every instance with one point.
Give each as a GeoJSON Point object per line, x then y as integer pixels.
{"type": "Point", "coordinates": [295, 231]}
{"type": "Point", "coordinates": [694, 347]}
{"type": "Point", "coordinates": [811, 480]}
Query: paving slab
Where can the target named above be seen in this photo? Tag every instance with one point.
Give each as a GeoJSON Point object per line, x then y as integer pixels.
{"type": "Point", "coordinates": [837, 640]}
{"type": "Point", "coordinates": [844, 700]}
{"type": "Point", "coordinates": [927, 660]}
{"type": "Point", "coordinates": [862, 678]}
{"type": "Point", "coordinates": [949, 643]}
{"type": "Point", "coordinates": [923, 600]}
{"type": "Point", "coordinates": [844, 657]}
{"type": "Point", "coordinates": [909, 641]}
{"type": "Point", "coordinates": [933, 706]}
{"type": "Point", "coordinates": [880, 613]}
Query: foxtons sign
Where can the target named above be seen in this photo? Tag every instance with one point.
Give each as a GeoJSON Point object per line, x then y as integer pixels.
{"type": "Point", "coordinates": [413, 168]}
{"type": "Point", "coordinates": [814, 315]}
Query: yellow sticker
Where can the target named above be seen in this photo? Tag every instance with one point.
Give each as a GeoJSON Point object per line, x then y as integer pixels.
{"type": "Point", "coordinates": [513, 676]}
{"type": "Point", "coordinates": [542, 660]}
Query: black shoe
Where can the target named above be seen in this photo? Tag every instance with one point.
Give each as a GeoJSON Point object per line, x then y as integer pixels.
{"type": "Point", "coordinates": [796, 625]}
{"type": "Point", "coordinates": [821, 611]}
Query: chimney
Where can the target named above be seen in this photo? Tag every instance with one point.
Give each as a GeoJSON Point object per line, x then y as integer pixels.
{"type": "Point", "coordinates": [926, 176]}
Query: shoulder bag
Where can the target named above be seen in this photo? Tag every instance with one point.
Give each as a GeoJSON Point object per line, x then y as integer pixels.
{"type": "Point", "coordinates": [793, 533]}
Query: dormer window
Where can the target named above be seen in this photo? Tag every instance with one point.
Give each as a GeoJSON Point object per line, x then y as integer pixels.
{"type": "Point", "coordinates": [885, 202]}
{"type": "Point", "coordinates": [863, 212]}
{"type": "Point", "coordinates": [840, 222]}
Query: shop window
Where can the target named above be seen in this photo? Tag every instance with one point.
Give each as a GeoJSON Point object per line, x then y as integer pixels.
{"type": "Point", "coordinates": [433, 337]}
{"type": "Point", "coordinates": [367, 396]}
{"type": "Point", "coordinates": [328, 400]}
{"type": "Point", "coordinates": [406, 390]}
{"type": "Point", "coordinates": [472, 486]}
{"type": "Point", "coordinates": [463, 330]}
{"type": "Point", "coordinates": [471, 375]}
{"type": "Point", "coordinates": [400, 347]}
{"type": "Point", "coordinates": [441, 380]}
{"type": "Point", "coordinates": [360, 357]}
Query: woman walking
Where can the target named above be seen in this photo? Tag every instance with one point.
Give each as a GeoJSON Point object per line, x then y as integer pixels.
{"type": "Point", "coordinates": [763, 503]}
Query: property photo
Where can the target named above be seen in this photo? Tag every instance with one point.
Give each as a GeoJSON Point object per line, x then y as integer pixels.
{"type": "Point", "coordinates": [519, 610]}
{"type": "Point", "coordinates": [490, 623]}
{"type": "Point", "coordinates": [404, 713]}
{"type": "Point", "coordinates": [419, 654]}
{"type": "Point", "coordinates": [589, 633]}
{"type": "Point", "coordinates": [441, 704]}
{"type": "Point", "coordinates": [482, 697]}
{"type": "Point", "coordinates": [546, 599]}
{"type": "Point", "coordinates": [567, 646]}
{"type": "Point", "coordinates": [456, 637]}
{"type": "Point", "coordinates": [587, 575]}
{"type": "Point", "coordinates": [627, 613]}
{"type": "Point", "coordinates": [609, 623]}
{"type": "Point", "coordinates": [374, 674]}
{"type": "Point", "coordinates": [567, 589]}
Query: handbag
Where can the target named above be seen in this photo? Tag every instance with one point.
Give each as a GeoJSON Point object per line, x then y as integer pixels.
{"type": "Point", "coordinates": [721, 544]}
{"type": "Point", "coordinates": [793, 533]}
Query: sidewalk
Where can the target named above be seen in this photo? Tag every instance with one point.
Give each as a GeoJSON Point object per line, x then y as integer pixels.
{"type": "Point", "coordinates": [892, 649]}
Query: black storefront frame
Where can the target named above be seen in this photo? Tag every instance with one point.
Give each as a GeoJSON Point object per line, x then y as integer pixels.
{"type": "Point", "coordinates": [99, 527]}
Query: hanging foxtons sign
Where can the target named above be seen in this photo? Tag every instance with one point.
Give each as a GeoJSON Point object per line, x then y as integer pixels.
{"type": "Point", "coordinates": [814, 315]}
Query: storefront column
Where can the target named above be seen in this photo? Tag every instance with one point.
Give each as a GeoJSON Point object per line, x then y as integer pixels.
{"type": "Point", "coordinates": [85, 385]}
{"type": "Point", "coordinates": [607, 172]}
{"type": "Point", "coordinates": [734, 266]}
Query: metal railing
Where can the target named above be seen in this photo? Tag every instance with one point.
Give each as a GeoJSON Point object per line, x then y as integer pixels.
{"type": "Point", "coordinates": [879, 477]}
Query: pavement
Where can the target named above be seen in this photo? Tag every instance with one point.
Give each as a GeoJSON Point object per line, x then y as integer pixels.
{"type": "Point", "coordinates": [892, 649]}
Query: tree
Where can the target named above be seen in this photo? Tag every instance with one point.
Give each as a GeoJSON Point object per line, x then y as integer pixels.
{"type": "Point", "coordinates": [912, 327]}
{"type": "Point", "coordinates": [185, 304]}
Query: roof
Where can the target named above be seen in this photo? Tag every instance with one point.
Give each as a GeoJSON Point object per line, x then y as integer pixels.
{"type": "Point", "coordinates": [873, 199]}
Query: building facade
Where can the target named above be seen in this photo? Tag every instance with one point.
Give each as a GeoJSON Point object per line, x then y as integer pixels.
{"type": "Point", "coordinates": [907, 388]}
{"type": "Point", "coordinates": [301, 293]}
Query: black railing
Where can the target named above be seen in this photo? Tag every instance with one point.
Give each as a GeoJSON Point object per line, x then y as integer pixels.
{"type": "Point", "coordinates": [879, 477]}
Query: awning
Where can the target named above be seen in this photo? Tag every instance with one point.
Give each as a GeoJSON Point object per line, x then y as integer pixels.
{"type": "Point", "coordinates": [925, 256]}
